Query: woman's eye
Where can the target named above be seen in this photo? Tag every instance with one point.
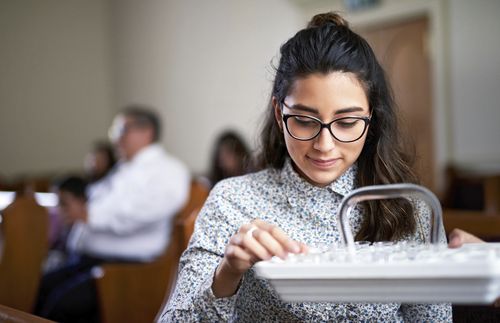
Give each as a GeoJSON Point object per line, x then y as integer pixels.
{"type": "Point", "coordinates": [305, 122]}
{"type": "Point", "coordinates": [347, 123]}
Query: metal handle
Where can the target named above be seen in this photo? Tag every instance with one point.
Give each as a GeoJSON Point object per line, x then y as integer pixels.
{"type": "Point", "coordinates": [379, 192]}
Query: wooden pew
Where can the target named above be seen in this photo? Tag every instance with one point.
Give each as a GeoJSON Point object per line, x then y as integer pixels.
{"type": "Point", "coordinates": [8, 314]}
{"type": "Point", "coordinates": [24, 230]}
{"type": "Point", "coordinates": [485, 226]}
{"type": "Point", "coordinates": [483, 222]}
{"type": "Point", "coordinates": [135, 292]}
{"type": "Point", "coordinates": [492, 195]}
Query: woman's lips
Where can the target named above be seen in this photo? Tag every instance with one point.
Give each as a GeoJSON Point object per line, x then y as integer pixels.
{"type": "Point", "coordinates": [324, 163]}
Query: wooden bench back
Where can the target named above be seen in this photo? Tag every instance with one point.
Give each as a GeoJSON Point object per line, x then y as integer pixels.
{"type": "Point", "coordinates": [472, 203]}
{"type": "Point", "coordinates": [135, 292]}
{"type": "Point", "coordinates": [25, 239]}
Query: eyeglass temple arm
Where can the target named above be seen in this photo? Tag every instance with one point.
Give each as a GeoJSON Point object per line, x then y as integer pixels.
{"type": "Point", "coordinates": [378, 192]}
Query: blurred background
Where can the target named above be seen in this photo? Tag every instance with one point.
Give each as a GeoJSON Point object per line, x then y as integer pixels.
{"type": "Point", "coordinates": [66, 68]}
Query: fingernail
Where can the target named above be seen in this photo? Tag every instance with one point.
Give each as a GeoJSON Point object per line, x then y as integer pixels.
{"type": "Point", "coordinates": [295, 247]}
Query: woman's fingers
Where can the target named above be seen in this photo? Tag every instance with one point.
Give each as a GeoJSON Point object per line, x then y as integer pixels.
{"type": "Point", "coordinates": [235, 252]}
{"type": "Point", "coordinates": [255, 246]}
{"type": "Point", "coordinates": [279, 235]}
{"type": "Point", "coordinates": [303, 247]}
{"type": "Point", "coordinates": [249, 244]}
{"type": "Point", "coordinates": [458, 237]}
{"type": "Point", "coordinates": [272, 246]}
{"type": "Point", "coordinates": [256, 241]}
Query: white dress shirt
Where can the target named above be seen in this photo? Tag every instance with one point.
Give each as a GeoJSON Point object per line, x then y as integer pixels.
{"type": "Point", "coordinates": [131, 211]}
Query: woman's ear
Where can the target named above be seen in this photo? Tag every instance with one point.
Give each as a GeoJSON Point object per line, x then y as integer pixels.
{"type": "Point", "coordinates": [277, 113]}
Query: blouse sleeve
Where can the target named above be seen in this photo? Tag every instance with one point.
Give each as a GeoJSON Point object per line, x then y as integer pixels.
{"type": "Point", "coordinates": [426, 312]}
{"type": "Point", "coordinates": [193, 299]}
{"type": "Point", "coordinates": [423, 223]}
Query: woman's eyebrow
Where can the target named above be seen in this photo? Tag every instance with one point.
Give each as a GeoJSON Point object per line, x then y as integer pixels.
{"type": "Point", "coordinates": [348, 110]}
{"type": "Point", "coordinates": [303, 108]}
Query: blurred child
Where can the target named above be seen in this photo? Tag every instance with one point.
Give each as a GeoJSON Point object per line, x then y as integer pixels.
{"type": "Point", "coordinates": [68, 189]}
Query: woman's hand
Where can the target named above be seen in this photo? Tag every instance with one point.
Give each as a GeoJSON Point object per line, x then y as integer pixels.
{"type": "Point", "coordinates": [458, 237]}
{"type": "Point", "coordinates": [253, 242]}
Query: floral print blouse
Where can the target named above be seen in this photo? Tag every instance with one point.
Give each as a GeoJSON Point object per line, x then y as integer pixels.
{"type": "Point", "coordinates": [306, 213]}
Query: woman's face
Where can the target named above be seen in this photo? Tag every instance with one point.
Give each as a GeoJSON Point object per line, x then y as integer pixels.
{"type": "Point", "coordinates": [228, 161]}
{"type": "Point", "coordinates": [327, 97]}
{"type": "Point", "coordinates": [97, 163]}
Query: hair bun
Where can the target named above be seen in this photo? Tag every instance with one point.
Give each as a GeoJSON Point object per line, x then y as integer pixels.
{"type": "Point", "coordinates": [323, 19]}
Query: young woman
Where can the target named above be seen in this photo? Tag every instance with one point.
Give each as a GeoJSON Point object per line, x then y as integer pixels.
{"type": "Point", "coordinates": [229, 158]}
{"type": "Point", "coordinates": [331, 127]}
{"type": "Point", "coordinates": [99, 161]}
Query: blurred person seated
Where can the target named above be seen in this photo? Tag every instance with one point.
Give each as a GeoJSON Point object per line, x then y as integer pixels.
{"type": "Point", "coordinates": [99, 161]}
{"type": "Point", "coordinates": [127, 219]}
{"type": "Point", "coordinates": [71, 191]}
{"type": "Point", "coordinates": [97, 165]}
{"type": "Point", "coordinates": [230, 157]}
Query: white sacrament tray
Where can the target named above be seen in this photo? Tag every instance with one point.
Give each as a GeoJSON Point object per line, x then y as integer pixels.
{"type": "Point", "coordinates": [388, 272]}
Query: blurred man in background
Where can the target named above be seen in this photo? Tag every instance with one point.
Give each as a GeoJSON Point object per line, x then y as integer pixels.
{"type": "Point", "coordinates": [127, 218]}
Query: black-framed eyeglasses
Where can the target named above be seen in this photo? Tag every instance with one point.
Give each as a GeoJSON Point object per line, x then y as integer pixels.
{"type": "Point", "coordinates": [345, 129]}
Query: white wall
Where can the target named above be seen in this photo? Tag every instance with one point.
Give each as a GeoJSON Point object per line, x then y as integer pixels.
{"type": "Point", "coordinates": [67, 66]}
{"type": "Point", "coordinates": [475, 82]}
{"type": "Point", "coordinates": [206, 65]}
{"type": "Point", "coordinates": [54, 83]}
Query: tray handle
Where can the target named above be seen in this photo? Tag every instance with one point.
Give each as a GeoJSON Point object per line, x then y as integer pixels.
{"type": "Point", "coordinates": [379, 192]}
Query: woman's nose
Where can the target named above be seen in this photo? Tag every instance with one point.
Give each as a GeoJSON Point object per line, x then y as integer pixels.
{"type": "Point", "coordinates": [324, 142]}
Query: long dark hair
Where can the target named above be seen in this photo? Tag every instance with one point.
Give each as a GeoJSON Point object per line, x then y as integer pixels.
{"type": "Point", "coordinates": [234, 142]}
{"type": "Point", "coordinates": [328, 45]}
